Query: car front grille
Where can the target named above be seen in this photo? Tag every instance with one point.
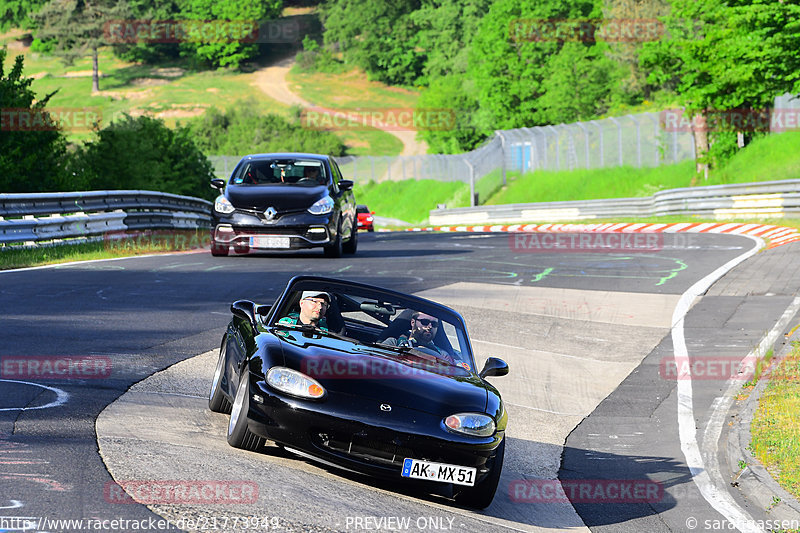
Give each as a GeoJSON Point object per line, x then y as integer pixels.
{"type": "Point", "coordinates": [365, 448]}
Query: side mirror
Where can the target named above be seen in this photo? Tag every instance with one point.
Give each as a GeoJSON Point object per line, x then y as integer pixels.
{"type": "Point", "coordinates": [345, 185]}
{"type": "Point", "coordinates": [494, 367]}
{"type": "Point", "coordinates": [218, 183]}
{"type": "Point", "coordinates": [245, 309]}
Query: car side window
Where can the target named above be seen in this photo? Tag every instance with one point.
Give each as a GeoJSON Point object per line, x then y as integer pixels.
{"type": "Point", "coordinates": [335, 176]}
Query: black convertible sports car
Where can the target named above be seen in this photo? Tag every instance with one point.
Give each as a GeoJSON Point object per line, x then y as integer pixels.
{"type": "Point", "coordinates": [282, 202]}
{"type": "Point", "coordinates": [366, 379]}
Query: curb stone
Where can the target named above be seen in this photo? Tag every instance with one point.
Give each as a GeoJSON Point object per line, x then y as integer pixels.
{"type": "Point", "coordinates": [755, 482]}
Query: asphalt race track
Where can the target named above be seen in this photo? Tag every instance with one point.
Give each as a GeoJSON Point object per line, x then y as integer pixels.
{"type": "Point", "coordinates": [90, 390]}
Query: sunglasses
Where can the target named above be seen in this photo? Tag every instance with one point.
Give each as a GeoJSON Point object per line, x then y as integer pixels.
{"type": "Point", "coordinates": [427, 322]}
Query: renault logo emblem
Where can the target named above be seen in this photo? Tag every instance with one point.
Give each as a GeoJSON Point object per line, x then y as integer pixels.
{"type": "Point", "coordinates": [270, 213]}
{"type": "Point", "coordinates": [385, 407]}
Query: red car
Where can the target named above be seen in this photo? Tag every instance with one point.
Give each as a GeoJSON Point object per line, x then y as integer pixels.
{"type": "Point", "coordinates": [365, 218]}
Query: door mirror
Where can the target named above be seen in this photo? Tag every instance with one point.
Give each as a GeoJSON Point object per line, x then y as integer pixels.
{"type": "Point", "coordinates": [218, 183]}
{"type": "Point", "coordinates": [245, 309]}
{"type": "Point", "coordinates": [345, 185]}
{"type": "Point", "coordinates": [494, 367]}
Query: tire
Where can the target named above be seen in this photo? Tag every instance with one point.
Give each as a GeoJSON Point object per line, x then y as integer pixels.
{"type": "Point", "coordinates": [481, 495]}
{"type": "Point", "coordinates": [371, 229]}
{"type": "Point", "coordinates": [219, 250]}
{"type": "Point", "coordinates": [239, 436]}
{"type": "Point", "coordinates": [335, 249]}
{"type": "Point", "coordinates": [351, 246]}
{"type": "Point", "coordinates": [217, 401]}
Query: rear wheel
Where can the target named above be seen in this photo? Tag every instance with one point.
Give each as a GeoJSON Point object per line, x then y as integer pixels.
{"type": "Point", "coordinates": [481, 495]}
{"type": "Point", "coordinates": [351, 246]}
{"type": "Point", "coordinates": [239, 436]}
{"type": "Point", "coordinates": [216, 398]}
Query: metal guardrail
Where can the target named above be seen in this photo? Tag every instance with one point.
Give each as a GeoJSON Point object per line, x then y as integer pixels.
{"type": "Point", "coordinates": [35, 218]}
{"type": "Point", "coordinates": [772, 199]}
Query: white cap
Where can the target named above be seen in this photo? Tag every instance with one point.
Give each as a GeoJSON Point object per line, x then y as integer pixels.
{"type": "Point", "coordinates": [315, 294]}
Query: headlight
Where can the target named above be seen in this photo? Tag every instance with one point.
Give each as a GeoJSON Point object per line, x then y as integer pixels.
{"type": "Point", "coordinates": [222, 205]}
{"type": "Point", "coordinates": [475, 424]}
{"type": "Point", "coordinates": [293, 382]}
{"type": "Point", "coordinates": [322, 207]}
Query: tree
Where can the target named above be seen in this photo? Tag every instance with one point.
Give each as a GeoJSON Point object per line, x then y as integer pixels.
{"type": "Point", "coordinates": [31, 146]}
{"type": "Point", "coordinates": [18, 13]}
{"type": "Point", "coordinates": [229, 48]}
{"type": "Point", "coordinates": [378, 36]}
{"type": "Point", "coordinates": [509, 58]}
{"type": "Point", "coordinates": [142, 153]}
{"type": "Point", "coordinates": [725, 56]}
{"type": "Point", "coordinates": [78, 28]}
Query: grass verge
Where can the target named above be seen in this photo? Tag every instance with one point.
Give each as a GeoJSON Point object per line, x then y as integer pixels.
{"type": "Point", "coordinates": [776, 424]}
{"type": "Point", "coordinates": [767, 158]}
{"type": "Point", "coordinates": [411, 200]}
{"type": "Point", "coordinates": [147, 242]}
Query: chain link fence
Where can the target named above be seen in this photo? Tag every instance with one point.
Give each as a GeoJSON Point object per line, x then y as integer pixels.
{"type": "Point", "coordinates": [635, 140]}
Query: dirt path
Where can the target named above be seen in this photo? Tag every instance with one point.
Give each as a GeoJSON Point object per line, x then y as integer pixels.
{"type": "Point", "coordinates": [272, 80]}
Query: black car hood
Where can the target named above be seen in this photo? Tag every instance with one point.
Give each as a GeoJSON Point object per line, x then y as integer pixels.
{"type": "Point", "coordinates": [383, 375]}
{"type": "Point", "coordinates": [281, 197]}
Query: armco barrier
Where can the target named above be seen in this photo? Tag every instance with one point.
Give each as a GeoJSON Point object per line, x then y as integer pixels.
{"type": "Point", "coordinates": [769, 199]}
{"type": "Point", "coordinates": [37, 218]}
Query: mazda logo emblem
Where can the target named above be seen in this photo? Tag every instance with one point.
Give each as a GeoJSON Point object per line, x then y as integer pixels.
{"type": "Point", "coordinates": [385, 407]}
{"type": "Point", "coordinates": [270, 213]}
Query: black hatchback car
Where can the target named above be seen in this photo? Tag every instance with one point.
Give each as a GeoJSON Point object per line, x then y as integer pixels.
{"type": "Point", "coordinates": [285, 201]}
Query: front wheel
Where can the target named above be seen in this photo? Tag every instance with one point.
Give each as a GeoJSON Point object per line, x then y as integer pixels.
{"type": "Point", "coordinates": [239, 436]}
{"type": "Point", "coordinates": [352, 245]}
{"type": "Point", "coordinates": [216, 399]}
{"type": "Point", "coordinates": [481, 495]}
{"type": "Point", "coordinates": [219, 250]}
{"type": "Point", "coordinates": [335, 249]}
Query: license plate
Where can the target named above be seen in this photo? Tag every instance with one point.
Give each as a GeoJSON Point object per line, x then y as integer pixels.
{"type": "Point", "coordinates": [261, 241]}
{"type": "Point", "coordinates": [460, 475]}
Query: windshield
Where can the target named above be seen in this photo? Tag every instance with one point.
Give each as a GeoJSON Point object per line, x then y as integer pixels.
{"type": "Point", "coordinates": [404, 327]}
{"type": "Point", "coordinates": [302, 172]}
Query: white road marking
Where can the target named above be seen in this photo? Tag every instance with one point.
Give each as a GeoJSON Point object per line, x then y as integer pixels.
{"type": "Point", "coordinates": [716, 495]}
{"type": "Point", "coordinates": [61, 397]}
{"type": "Point", "coordinates": [15, 504]}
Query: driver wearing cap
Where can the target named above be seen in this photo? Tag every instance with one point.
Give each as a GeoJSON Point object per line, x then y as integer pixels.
{"type": "Point", "coordinates": [313, 306]}
{"type": "Point", "coordinates": [423, 331]}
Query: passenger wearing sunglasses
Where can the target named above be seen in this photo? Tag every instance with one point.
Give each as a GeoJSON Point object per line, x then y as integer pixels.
{"type": "Point", "coordinates": [422, 333]}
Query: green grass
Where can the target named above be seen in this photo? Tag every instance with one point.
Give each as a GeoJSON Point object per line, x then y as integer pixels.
{"type": "Point", "coordinates": [175, 93]}
{"type": "Point", "coordinates": [768, 158]}
{"type": "Point", "coordinates": [139, 243]}
{"type": "Point", "coordinates": [411, 200]}
{"type": "Point", "coordinates": [583, 184]}
{"type": "Point", "coordinates": [776, 424]}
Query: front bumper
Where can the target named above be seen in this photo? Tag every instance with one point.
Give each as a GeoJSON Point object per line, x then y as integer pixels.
{"type": "Point", "coordinates": [290, 232]}
{"type": "Point", "coordinates": [337, 431]}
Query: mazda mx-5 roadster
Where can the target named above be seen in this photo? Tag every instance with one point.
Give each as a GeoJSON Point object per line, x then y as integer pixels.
{"type": "Point", "coordinates": [365, 379]}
